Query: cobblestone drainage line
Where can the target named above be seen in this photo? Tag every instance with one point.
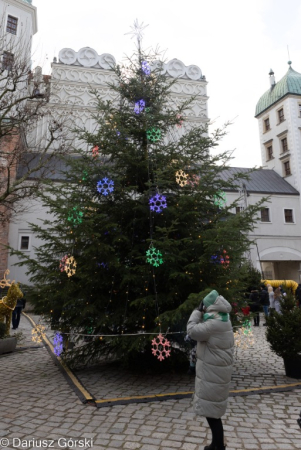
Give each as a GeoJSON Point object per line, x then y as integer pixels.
{"type": "Point", "coordinates": [71, 379]}
{"type": "Point", "coordinates": [88, 399]}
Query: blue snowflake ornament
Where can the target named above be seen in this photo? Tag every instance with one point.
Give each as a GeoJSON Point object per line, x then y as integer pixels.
{"type": "Point", "coordinates": [145, 67]}
{"type": "Point", "coordinates": [139, 106]}
{"type": "Point", "coordinates": [105, 186]}
{"type": "Point", "coordinates": [58, 344]}
{"type": "Point", "coordinates": [157, 203]}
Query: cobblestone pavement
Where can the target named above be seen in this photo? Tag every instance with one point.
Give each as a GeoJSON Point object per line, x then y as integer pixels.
{"type": "Point", "coordinates": [38, 404]}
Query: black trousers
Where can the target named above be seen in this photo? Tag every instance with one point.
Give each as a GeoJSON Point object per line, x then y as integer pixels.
{"type": "Point", "coordinates": [216, 426]}
{"type": "Point", "coordinates": [16, 316]}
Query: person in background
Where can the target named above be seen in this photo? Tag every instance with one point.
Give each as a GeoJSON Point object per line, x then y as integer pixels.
{"type": "Point", "coordinates": [16, 315]}
{"type": "Point", "coordinates": [210, 326]}
{"type": "Point", "coordinates": [271, 296]}
{"type": "Point", "coordinates": [277, 298]}
{"type": "Point", "coordinates": [255, 305]}
{"type": "Point", "coordinates": [298, 295]}
{"type": "Point", "coordinates": [264, 301]}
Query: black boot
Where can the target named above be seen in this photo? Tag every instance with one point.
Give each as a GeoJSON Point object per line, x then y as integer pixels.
{"type": "Point", "coordinates": [212, 447]}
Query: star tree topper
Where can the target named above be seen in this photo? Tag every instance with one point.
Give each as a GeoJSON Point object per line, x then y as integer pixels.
{"type": "Point", "coordinates": [137, 31]}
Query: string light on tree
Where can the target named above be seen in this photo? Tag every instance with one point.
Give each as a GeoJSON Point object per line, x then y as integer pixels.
{"type": "Point", "coordinates": [180, 121]}
{"type": "Point", "coordinates": [181, 178]}
{"type": "Point", "coordinates": [157, 203]}
{"type": "Point", "coordinates": [161, 347]}
{"type": "Point", "coordinates": [105, 186]}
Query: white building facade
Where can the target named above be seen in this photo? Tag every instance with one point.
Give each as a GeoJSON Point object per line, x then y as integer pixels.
{"type": "Point", "coordinates": [277, 236]}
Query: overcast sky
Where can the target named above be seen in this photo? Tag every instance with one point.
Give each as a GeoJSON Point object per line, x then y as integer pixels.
{"type": "Point", "coordinates": [234, 42]}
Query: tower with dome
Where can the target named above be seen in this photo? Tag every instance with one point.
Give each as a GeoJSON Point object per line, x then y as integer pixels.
{"type": "Point", "coordinates": [278, 112]}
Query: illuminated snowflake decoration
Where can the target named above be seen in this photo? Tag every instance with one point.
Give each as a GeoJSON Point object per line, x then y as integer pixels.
{"type": "Point", "coordinates": [244, 338]}
{"type": "Point", "coordinates": [63, 263]}
{"type": "Point", "coordinates": [214, 259]}
{"type": "Point", "coordinates": [105, 186]}
{"type": "Point", "coordinates": [58, 344]}
{"type": "Point", "coordinates": [153, 134]}
{"type": "Point", "coordinates": [70, 266]}
{"type": "Point", "coordinates": [157, 203]}
{"type": "Point", "coordinates": [75, 216]}
{"type": "Point", "coordinates": [225, 259]}
{"type": "Point", "coordinates": [181, 178]}
{"type": "Point", "coordinates": [95, 151]}
{"type": "Point", "coordinates": [38, 333]}
{"type": "Point", "coordinates": [180, 121]}
{"type": "Point", "coordinates": [85, 175]}
{"type": "Point", "coordinates": [161, 347]}
{"type": "Point", "coordinates": [194, 180]}
{"type": "Point", "coordinates": [139, 106]}
{"type": "Point", "coordinates": [145, 67]}
{"type": "Point", "coordinates": [220, 199]}
{"type": "Point", "coordinates": [154, 257]}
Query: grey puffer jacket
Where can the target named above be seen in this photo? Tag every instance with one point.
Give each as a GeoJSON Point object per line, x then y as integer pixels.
{"type": "Point", "coordinates": [214, 360]}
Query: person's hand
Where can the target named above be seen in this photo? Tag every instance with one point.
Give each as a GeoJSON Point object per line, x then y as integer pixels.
{"type": "Point", "coordinates": [201, 307]}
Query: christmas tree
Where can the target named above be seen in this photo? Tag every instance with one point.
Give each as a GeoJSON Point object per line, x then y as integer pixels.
{"type": "Point", "coordinates": [140, 224]}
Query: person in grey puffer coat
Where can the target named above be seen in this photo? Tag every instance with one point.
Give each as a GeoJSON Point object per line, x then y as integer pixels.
{"type": "Point", "coordinates": [210, 326]}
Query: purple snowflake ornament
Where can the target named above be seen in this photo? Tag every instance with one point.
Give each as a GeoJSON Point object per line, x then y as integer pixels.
{"type": "Point", "coordinates": [58, 344]}
{"type": "Point", "coordinates": [139, 106]}
{"type": "Point", "coordinates": [157, 203]}
{"type": "Point", "coordinates": [145, 68]}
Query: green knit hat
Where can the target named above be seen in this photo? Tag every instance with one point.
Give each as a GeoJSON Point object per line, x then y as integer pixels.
{"type": "Point", "coordinates": [210, 298]}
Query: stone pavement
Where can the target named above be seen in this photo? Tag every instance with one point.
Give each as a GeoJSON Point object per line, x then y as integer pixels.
{"type": "Point", "coordinates": [38, 408]}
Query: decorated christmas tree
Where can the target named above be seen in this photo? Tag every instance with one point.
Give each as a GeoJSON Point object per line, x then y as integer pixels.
{"type": "Point", "coordinates": [139, 226]}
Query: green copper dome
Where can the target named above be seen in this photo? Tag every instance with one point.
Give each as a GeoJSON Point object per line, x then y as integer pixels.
{"type": "Point", "coordinates": [289, 84]}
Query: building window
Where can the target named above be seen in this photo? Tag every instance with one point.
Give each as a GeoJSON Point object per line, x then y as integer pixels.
{"type": "Point", "coordinates": [265, 215]}
{"type": "Point", "coordinates": [299, 109]}
{"type": "Point", "coordinates": [284, 147]}
{"type": "Point", "coordinates": [24, 242]}
{"type": "Point", "coordinates": [239, 209]}
{"type": "Point", "coordinates": [281, 115]}
{"type": "Point", "coordinates": [288, 216]}
{"type": "Point", "coordinates": [7, 61]}
{"type": "Point", "coordinates": [267, 124]}
{"type": "Point", "coordinates": [12, 25]}
{"type": "Point", "coordinates": [286, 168]}
{"type": "Point", "coordinates": [269, 152]}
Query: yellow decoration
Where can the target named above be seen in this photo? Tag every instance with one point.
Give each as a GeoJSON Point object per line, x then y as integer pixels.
{"type": "Point", "coordinates": [4, 282]}
{"type": "Point", "coordinates": [181, 178]}
{"type": "Point", "coordinates": [8, 304]}
{"type": "Point", "coordinates": [276, 283]}
{"type": "Point", "coordinates": [38, 333]}
{"type": "Point", "coordinates": [70, 266]}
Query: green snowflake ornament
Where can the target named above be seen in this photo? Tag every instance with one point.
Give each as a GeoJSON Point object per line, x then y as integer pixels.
{"type": "Point", "coordinates": [220, 199]}
{"type": "Point", "coordinates": [75, 216]}
{"type": "Point", "coordinates": [154, 257]}
{"type": "Point", "coordinates": [153, 134]}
